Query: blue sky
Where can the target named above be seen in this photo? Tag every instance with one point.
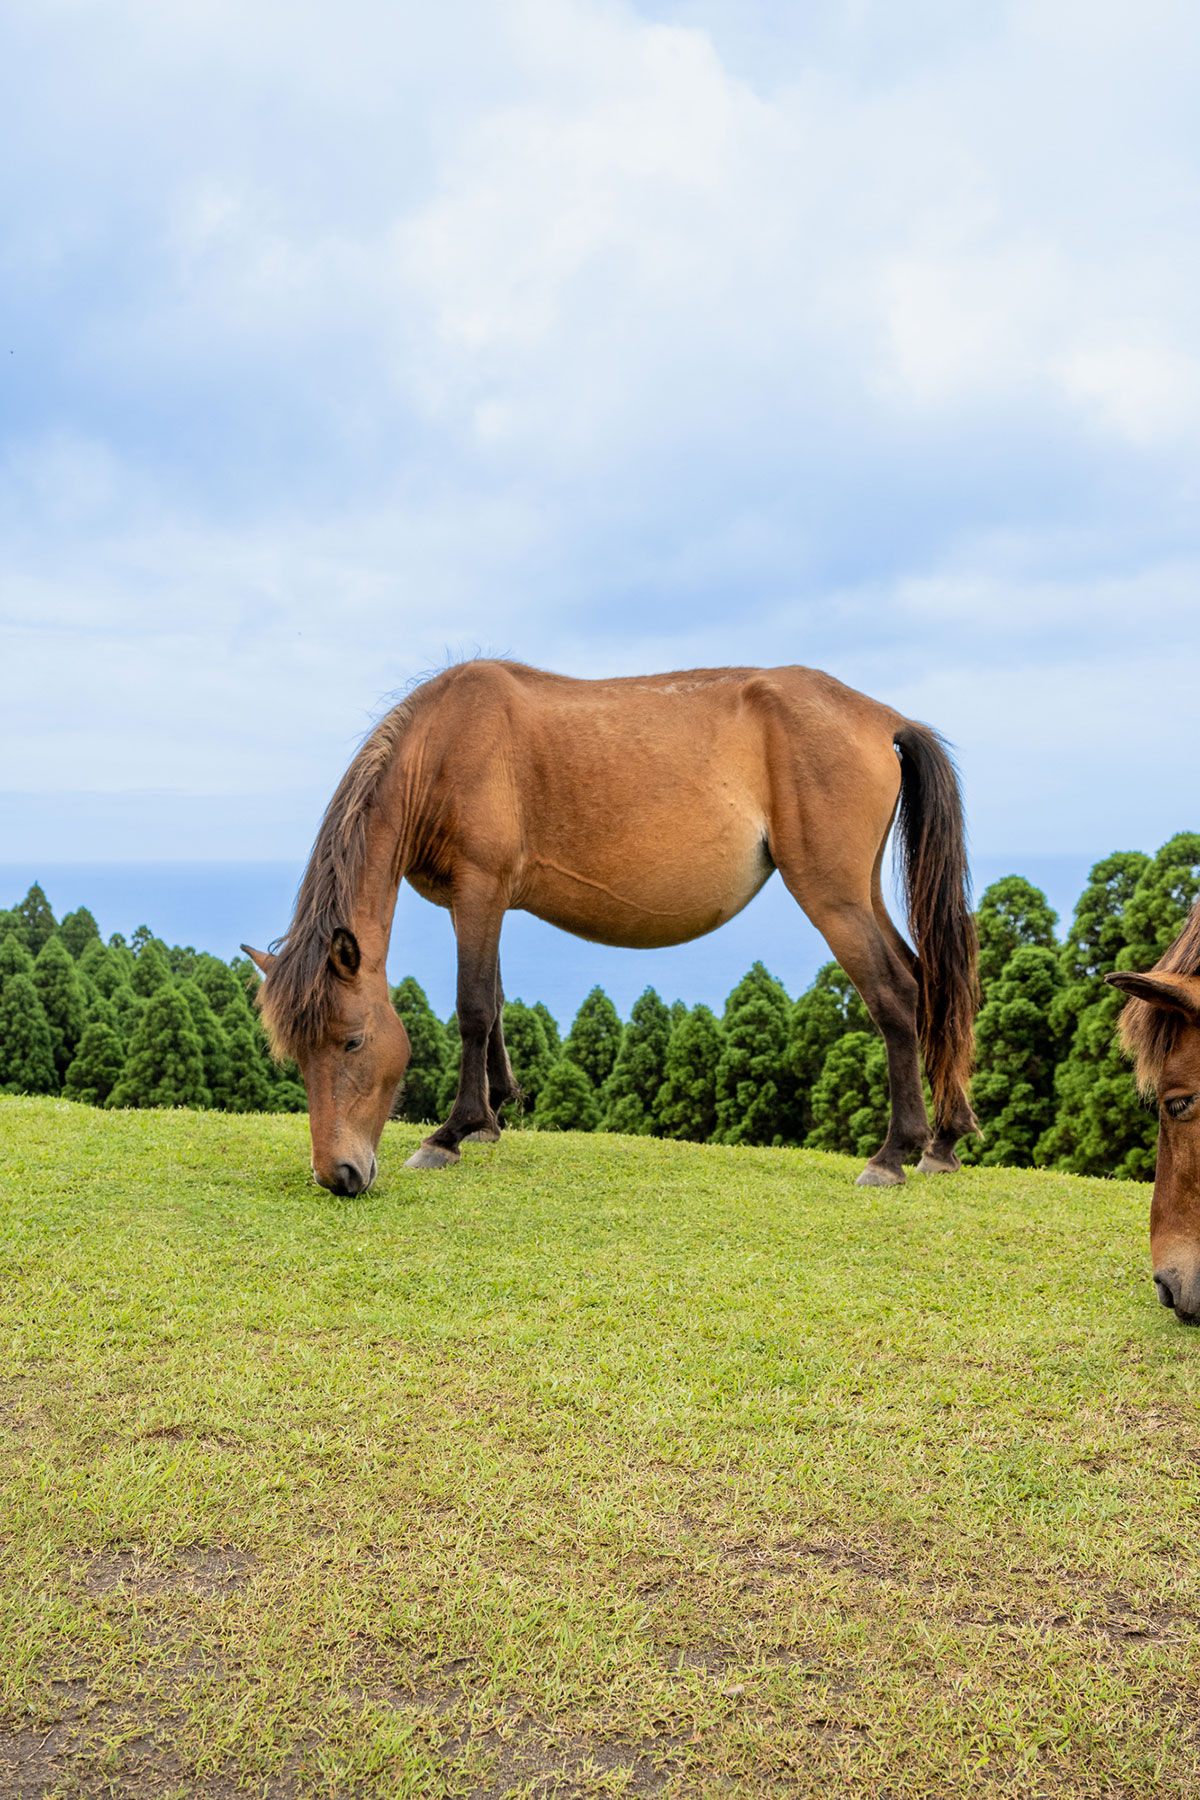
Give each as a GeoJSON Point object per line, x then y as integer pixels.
{"type": "Point", "coordinates": [337, 341]}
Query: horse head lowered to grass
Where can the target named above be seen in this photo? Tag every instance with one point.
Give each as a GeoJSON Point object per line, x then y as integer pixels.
{"type": "Point", "coordinates": [641, 811]}
{"type": "Point", "coordinates": [1160, 1029]}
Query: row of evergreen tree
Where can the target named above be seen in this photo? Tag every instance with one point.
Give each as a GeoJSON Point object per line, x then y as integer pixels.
{"type": "Point", "coordinates": [146, 1024]}
{"type": "Point", "coordinates": [130, 1024]}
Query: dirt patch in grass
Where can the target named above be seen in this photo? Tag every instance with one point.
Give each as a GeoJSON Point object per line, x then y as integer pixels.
{"type": "Point", "coordinates": [210, 1570]}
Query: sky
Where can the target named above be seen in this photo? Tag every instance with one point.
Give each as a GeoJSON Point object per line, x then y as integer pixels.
{"type": "Point", "coordinates": [341, 342]}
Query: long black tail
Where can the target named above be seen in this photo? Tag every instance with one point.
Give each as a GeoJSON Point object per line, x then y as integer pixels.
{"type": "Point", "coordinates": [938, 902]}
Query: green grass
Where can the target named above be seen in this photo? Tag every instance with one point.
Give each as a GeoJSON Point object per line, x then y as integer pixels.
{"type": "Point", "coordinates": [591, 1466]}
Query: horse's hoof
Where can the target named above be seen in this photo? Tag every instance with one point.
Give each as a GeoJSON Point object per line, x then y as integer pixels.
{"type": "Point", "coordinates": [874, 1177]}
{"type": "Point", "coordinates": [935, 1165]}
{"type": "Point", "coordinates": [431, 1156]}
{"type": "Point", "coordinates": [482, 1137]}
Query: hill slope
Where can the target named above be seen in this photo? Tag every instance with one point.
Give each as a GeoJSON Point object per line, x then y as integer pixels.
{"type": "Point", "coordinates": [631, 1466]}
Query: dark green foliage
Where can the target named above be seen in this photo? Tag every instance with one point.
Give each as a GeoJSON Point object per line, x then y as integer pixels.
{"type": "Point", "coordinates": [214, 1045]}
{"type": "Point", "coordinates": [1101, 1127]}
{"type": "Point", "coordinates": [850, 1101]}
{"type": "Point", "coordinates": [1164, 896]}
{"type": "Point", "coordinates": [9, 921]}
{"type": "Point", "coordinates": [755, 1092]}
{"type": "Point", "coordinates": [96, 1009]}
{"type": "Point", "coordinates": [825, 1012]}
{"type": "Point", "coordinates": [165, 1064]}
{"type": "Point", "coordinates": [182, 960]}
{"type": "Point", "coordinates": [106, 966]}
{"type": "Point", "coordinates": [14, 958]}
{"type": "Point", "coordinates": [1011, 912]}
{"type": "Point", "coordinates": [250, 1089]}
{"type": "Point", "coordinates": [553, 1035]}
{"type": "Point", "coordinates": [686, 1103]}
{"type": "Point", "coordinates": [223, 989]}
{"type": "Point", "coordinates": [97, 1064]}
{"type": "Point", "coordinates": [78, 930]}
{"type": "Point", "coordinates": [594, 1038]}
{"type": "Point", "coordinates": [151, 970]}
{"type": "Point", "coordinates": [37, 922]}
{"type": "Point", "coordinates": [128, 1008]}
{"type": "Point", "coordinates": [249, 977]}
{"type": "Point", "coordinates": [1017, 1052]}
{"type": "Point", "coordinates": [422, 1085]}
{"type": "Point", "coordinates": [632, 1088]}
{"type": "Point", "coordinates": [529, 1051]}
{"type": "Point", "coordinates": [1127, 915]}
{"type": "Point", "coordinates": [568, 1100]}
{"type": "Point", "coordinates": [26, 1051]}
{"type": "Point", "coordinates": [61, 994]}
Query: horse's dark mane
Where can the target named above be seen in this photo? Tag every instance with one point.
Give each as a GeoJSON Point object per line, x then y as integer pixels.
{"type": "Point", "coordinates": [1148, 1033]}
{"type": "Point", "coordinates": [295, 997]}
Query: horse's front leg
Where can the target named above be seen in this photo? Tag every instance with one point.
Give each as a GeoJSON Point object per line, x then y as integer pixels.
{"type": "Point", "coordinates": [478, 915]}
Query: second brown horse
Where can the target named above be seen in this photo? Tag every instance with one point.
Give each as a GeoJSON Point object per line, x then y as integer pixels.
{"type": "Point", "coordinates": [643, 812]}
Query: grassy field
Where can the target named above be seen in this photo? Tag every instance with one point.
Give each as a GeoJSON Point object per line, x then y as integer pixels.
{"type": "Point", "coordinates": [592, 1466]}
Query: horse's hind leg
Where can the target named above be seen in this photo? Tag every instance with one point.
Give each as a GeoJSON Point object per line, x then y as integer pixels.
{"type": "Point", "coordinates": [940, 1156]}
{"type": "Point", "coordinates": [879, 965]}
{"type": "Point", "coordinates": [478, 915]}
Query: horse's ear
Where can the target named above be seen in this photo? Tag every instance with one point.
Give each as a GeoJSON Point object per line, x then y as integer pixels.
{"type": "Point", "coordinates": [344, 953]}
{"type": "Point", "coordinates": [262, 959]}
{"type": "Point", "coordinates": [1177, 993]}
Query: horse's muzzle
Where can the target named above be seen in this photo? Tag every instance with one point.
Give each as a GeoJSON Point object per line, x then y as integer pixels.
{"type": "Point", "coordinates": [348, 1179]}
{"type": "Point", "coordinates": [1180, 1289]}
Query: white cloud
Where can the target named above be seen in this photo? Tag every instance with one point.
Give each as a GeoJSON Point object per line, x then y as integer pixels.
{"type": "Point", "coordinates": [605, 337]}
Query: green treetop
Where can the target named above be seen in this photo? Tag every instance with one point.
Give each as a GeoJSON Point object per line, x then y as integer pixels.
{"type": "Point", "coordinates": [850, 1100]}
{"type": "Point", "coordinates": [151, 969]}
{"type": "Point", "coordinates": [37, 921]}
{"type": "Point", "coordinates": [223, 989]}
{"type": "Point", "coordinates": [1164, 896]}
{"type": "Point", "coordinates": [568, 1100]}
{"type": "Point", "coordinates": [632, 1089]}
{"type": "Point", "coordinates": [1011, 912]}
{"type": "Point", "coordinates": [78, 930]}
{"type": "Point", "coordinates": [165, 1064]}
{"type": "Point", "coordinates": [686, 1103]}
{"type": "Point", "coordinates": [105, 967]}
{"type": "Point", "coordinates": [422, 1084]}
{"type": "Point", "coordinates": [594, 1038]}
{"type": "Point", "coordinates": [61, 994]}
{"type": "Point", "coordinates": [14, 958]}
{"type": "Point", "coordinates": [755, 1103]}
{"type": "Point", "coordinates": [26, 1052]}
{"type": "Point", "coordinates": [1017, 1052]}
{"type": "Point", "coordinates": [825, 1012]}
{"type": "Point", "coordinates": [96, 1066]}
{"type": "Point", "coordinates": [550, 1025]}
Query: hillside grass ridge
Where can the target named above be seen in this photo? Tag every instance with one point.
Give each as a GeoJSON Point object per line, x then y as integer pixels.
{"type": "Point", "coordinates": [596, 1465]}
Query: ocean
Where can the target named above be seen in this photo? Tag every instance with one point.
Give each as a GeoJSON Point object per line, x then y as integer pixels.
{"type": "Point", "coordinates": [216, 906]}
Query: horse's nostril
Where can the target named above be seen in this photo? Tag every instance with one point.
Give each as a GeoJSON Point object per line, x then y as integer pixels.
{"type": "Point", "coordinates": [349, 1179]}
{"type": "Point", "coordinates": [1166, 1293]}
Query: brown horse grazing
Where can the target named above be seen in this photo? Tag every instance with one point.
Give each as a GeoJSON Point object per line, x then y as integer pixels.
{"type": "Point", "coordinates": [1160, 1029]}
{"type": "Point", "coordinates": [645, 811]}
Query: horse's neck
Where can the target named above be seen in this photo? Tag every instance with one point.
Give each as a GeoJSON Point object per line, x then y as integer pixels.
{"type": "Point", "coordinates": [383, 870]}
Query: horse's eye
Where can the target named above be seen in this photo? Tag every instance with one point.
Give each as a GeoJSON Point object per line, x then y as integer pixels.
{"type": "Point", "coordinates": [1179, 1105]}
{"type": "Point", "coordinates": [355, 1043]}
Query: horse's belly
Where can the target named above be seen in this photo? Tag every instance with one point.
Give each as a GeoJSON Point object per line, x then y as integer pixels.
{"type": "Point", "coordinates": [680, 896]}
